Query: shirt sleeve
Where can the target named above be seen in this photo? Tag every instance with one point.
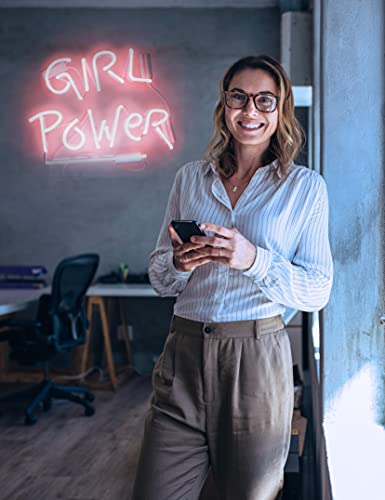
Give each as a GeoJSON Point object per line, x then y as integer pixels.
{"type": "Point", "coordinates": [305, 282]}
{"type": "Point", "coordinates": [166, 280]}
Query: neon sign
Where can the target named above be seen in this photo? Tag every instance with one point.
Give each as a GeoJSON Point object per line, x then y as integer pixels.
{"type": "Point", "coordinates": [102, 108]}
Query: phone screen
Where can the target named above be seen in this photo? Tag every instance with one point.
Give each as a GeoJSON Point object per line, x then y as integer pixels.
{"type": "Point", "coordinates": [186, 229]}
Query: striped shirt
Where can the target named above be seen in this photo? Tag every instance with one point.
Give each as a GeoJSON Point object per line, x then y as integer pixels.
{"type": "Point", "coordinates": [286, 221]}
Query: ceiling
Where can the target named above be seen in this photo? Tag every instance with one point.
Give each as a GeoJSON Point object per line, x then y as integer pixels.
{"type": "Point", "coordinates": [141, 3]}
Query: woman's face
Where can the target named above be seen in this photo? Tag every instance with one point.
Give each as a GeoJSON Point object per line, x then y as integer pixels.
{"type": "Point", "coordinates": [248, 126]}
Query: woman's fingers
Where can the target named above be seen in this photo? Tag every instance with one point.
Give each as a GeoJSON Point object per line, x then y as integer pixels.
{"type": "Point", "coordinates": [190, 260]}
{"type": "Point", "coordinates": [227, 246]}
{"type": "Point", "coordinates": [186, 257]}
{"type": "Point", "coordinates": [177, 242]}
{"type": "Point", "coordinates": [213, 241]}
{"type": "Point", "coordinates": [219, 252]}
{"type": "Point", "coordinates": [218, 230]}
{"type": "Point", "coordinates": [222, 237]}
{"type": "Point", "coordinates": [175, 239]}
{"type": "Point", "coordinates": [192, 256]}
{"type": "Point", "coordinates": [181, 250]}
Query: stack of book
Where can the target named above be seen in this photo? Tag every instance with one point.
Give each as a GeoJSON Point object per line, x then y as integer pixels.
{"type": "Point", "coordinates": [22, 277]}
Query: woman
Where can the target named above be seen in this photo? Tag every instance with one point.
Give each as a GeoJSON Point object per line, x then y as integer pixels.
{"type": "Point", "coordinates": [223, 389]}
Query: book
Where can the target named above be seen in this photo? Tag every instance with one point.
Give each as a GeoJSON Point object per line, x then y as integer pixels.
{"type": "Point", "coordinates": [23, 270]}
{"type": "Point", "coordinates": [20, 284]}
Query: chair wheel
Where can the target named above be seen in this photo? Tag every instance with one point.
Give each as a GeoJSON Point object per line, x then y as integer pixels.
{"type": "Point", "coordinates": [30, 420]}
{"type": "Point", "coordinates": [89, 411]}
{"type": "Point", "coordinates": [89, 396]}
{"type": "Point", "coordinates": [47, 404]}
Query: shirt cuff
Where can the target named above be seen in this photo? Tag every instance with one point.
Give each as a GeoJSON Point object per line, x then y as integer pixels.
{"type": "Point", "coordinates": [260, 267]}
{"type": "Point", "coordinates": [179, 275]}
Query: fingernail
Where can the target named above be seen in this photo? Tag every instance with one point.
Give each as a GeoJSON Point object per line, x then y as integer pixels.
{"type": "Point", "coordinates": [202, 226]}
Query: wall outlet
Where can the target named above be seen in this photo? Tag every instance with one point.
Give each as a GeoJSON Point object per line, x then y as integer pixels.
{"type": "Point", "coordinates": [121, 332]}
{"type": "Point", "coordinates": [130, 329]}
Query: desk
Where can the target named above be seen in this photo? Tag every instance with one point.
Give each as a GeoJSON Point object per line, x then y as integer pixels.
{"type": "Point", "coordinates": [96, 298]}
{"type": "Point", "coordinates": [122, 290]}
{"type": "Point", "coordinates": [15, 300]}
{"type": "Point", "coordinates": [12, 301]}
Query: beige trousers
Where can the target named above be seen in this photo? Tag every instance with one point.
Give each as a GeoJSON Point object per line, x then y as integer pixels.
{"type": "Point", "coordinates": [223, 398]}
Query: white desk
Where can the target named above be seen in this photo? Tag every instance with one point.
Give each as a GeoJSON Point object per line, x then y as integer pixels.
{"type": "Point", "coordinates": [96, 297]}
{"type": "Point", "coordinates": [12, 301]}
{"type": "Point", "coordinates": [15, 300]}
{"type": "Point", "coordinates": [121, 290]}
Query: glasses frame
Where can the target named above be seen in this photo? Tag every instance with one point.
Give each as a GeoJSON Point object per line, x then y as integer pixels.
{"type": "Point", "coordinates": [251, 96]}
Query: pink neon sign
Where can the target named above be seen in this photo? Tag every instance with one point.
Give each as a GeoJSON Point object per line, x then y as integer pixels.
{"type": "Point", "coordinates": [101, 108]}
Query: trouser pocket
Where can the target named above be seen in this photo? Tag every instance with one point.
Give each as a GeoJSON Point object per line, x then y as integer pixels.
{"type": "Point", "coordinates": [168, 359]}
{"type": "Point", "coordinates": [164, 370]}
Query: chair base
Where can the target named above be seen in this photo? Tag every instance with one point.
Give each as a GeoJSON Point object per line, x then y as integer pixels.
{"type": "Point", "coordinates": [43, 393]}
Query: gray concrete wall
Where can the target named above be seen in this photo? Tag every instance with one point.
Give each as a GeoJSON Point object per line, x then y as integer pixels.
{"type": "Point", "coordinates": [352, 154]}
{"type": "Point", "coordinates": [48, 213]}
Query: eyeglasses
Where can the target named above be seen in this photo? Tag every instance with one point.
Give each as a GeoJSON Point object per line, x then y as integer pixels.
{"type": "Point", "coordinates": [266, 103]}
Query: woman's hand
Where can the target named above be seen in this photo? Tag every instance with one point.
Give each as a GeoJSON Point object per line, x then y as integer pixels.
{"type": "Point", "coordinates": [186, 256]}
{"type": "Point", "coordinates": [227, 246]}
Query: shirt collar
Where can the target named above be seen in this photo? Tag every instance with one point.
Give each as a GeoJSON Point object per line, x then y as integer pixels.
{"type": "Point", "coordinates": [210, 167]}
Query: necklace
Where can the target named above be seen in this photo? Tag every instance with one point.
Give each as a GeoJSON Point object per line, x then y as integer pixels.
{"type": "Point", "coordinates": [235, 187]}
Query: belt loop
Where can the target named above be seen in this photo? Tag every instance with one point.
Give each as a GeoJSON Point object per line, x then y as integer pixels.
{"type": "Point", "coordinates": [257, 330]}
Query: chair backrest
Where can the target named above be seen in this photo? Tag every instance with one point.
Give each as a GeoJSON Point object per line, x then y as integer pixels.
{"type": "Point", "coordinates": [70, 282]}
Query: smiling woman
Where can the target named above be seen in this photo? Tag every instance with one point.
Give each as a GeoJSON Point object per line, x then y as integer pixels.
{"type": "Point", "coordinates": [273, 94]}
{"type": "Point", "coordinates": [223, 388]}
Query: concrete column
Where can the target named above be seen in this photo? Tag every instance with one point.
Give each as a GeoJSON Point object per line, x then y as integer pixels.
{"type": "Point", "coordinates": [351, 94]}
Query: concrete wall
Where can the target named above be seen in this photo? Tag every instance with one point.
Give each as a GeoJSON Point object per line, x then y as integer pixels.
{"type": "Point", "coordinates": [352, 159]}
{"type": "Point", "coordinates": [49, 213]}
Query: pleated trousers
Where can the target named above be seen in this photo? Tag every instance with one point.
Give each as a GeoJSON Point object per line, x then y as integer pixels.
{"type": "Point", "coordinates": [222, 398]}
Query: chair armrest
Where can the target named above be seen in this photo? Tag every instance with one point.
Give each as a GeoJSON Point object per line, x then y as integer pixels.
{"type": "Point", "coordinates": [19, 324]}
{"type": "Point", "coordinates": [21, 333]}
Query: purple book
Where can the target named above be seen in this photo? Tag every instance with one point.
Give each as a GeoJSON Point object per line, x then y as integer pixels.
{"type": "Point", "coordinates": [27, 284]}
{"type": "Point", "coordinates": [23, 270]}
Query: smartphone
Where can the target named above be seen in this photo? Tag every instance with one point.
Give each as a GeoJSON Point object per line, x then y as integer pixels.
{"type": "Point", "coordinates": [186, 229]}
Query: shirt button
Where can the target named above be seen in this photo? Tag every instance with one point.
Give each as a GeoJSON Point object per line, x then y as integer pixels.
{"type": "Point", "coordinates": [207, 329]}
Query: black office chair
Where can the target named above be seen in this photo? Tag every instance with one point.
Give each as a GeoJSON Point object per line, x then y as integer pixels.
{"type": "Point", "coordinates": [60, 326]}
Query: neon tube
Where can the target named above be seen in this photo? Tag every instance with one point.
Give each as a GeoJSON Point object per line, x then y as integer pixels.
{"type": "Point", "coordinates": [105, 68]}
{"type": "Point", "coordinates": [43, 129]}
{"type": "Point", "coordinates": [130, 69]}
{"type": "Point", "coordinates": [123, 158]}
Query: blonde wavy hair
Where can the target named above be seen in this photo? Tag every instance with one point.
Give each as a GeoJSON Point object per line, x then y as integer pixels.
{"type": "Point", "coordinates": [287, 140]}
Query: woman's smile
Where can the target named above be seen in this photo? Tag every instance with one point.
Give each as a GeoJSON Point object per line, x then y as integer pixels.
{"type": "Point", "coordinates": [250, 126]}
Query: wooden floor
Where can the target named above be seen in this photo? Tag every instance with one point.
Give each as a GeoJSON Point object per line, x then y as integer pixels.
{"type": "Point", "coordinates": [68, 456]}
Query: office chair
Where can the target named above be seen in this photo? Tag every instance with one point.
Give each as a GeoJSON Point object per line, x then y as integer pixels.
{"type": "Point", "coordinates": [60, 326]}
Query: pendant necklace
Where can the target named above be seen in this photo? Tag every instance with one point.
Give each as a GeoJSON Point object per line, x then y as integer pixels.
{"type": "Point", "coordinates": [234, 187]}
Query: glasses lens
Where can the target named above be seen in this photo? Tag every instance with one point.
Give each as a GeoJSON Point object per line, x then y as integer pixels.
{"type": "Point", "coordinates": [265, 103]}
{"type": "Point", "coordinates": [236, 100]}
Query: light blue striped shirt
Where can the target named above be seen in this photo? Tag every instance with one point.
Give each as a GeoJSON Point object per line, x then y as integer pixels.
{"type": "Point", "coordinates": [287, 222]}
